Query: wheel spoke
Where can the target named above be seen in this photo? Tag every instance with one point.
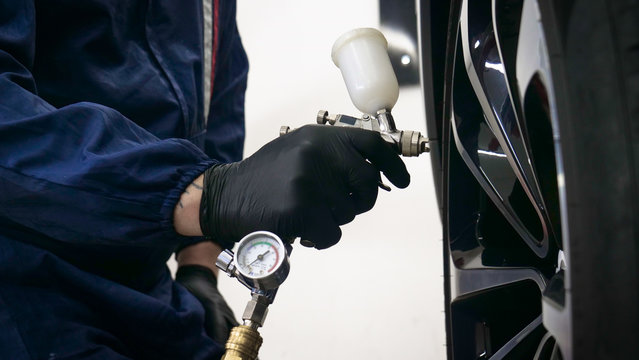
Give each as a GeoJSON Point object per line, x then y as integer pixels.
{"type": "Point", "coordinates": [487, 71]}
{"type": "Point", "coordinates": [515, 340]}
{"type": "Point", "coordinates": [536, 97]}
{"type": "Point", "coordinates": [545, 348]}
{"type": "Point", "coordinates": [506, 15]}
{"type": "Point", "coordinates": [497, 143]}
{"type": "Point", "coordinates": [474, 281]}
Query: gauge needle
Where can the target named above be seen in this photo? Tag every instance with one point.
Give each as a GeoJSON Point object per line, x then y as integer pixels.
{"type": "Point", "coordinates": [260, 257]}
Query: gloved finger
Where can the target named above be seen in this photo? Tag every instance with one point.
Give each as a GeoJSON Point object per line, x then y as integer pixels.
{"type": "Point", "coordinates": [320, 228]}
{"type": "Point", "coordinates": [337, 196]}
{"type": "Point", "coordinates": [363, 180]}
{"type": "Point", "coordinates": [343, 208]}
{"type": "Point", "coordinates": [371, 145]}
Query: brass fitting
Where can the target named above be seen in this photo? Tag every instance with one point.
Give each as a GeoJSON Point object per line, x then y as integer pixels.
{"type": "Point", "coordinates": [243, 344]}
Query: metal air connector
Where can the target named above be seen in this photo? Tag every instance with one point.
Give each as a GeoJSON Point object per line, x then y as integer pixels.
{"type": "Point", "coordinates": [243, 344]}
{"type": "Point", "coordinates": [245, 341]}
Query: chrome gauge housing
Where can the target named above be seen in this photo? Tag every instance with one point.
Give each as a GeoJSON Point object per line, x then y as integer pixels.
{"type": "Point", "coordinates": [261, 260]}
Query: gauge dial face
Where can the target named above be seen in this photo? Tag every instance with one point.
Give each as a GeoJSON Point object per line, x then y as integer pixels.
{"type": "Point", "coordinates": [260, 256]}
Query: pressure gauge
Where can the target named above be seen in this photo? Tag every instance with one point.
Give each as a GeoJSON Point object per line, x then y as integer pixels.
{"type": "Point", "coordinates": [261, 260]}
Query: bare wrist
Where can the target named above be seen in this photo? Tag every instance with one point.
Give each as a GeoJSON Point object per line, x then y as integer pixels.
{"type": "Point", "coordinates": [186, 214]}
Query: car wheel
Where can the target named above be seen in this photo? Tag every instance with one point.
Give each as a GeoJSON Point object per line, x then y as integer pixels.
{"type": "Point", "coordinates": [539, 150]}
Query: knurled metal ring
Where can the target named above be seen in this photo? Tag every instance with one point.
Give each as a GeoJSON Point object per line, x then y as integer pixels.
{"type": "Point", "coordinates": [322, 117]}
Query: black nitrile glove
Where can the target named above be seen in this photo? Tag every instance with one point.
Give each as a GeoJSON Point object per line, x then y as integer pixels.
{"type": "Point", "coordinates": [200, 281]}
{"type": "Point", "coordinates": [303, 184]}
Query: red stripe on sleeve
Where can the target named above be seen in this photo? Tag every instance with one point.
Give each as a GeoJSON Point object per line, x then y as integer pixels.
{"type": "Point", "coordinates": [216, 35]}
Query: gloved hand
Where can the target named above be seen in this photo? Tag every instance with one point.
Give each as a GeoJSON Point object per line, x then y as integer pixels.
{"type": "Point", "coordinates": [200, 281]}
{"type": "Point", "coordinates": [303, 184]}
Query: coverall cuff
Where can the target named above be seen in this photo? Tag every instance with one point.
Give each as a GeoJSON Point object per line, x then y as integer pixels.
{"type": "Point", "coordinates": [168, 207]}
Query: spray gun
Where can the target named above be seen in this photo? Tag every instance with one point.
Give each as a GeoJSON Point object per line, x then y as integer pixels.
{"type": "Point", "coordinates": [261, 262]}
{"type": "Point", "coordinates": [362, 57]}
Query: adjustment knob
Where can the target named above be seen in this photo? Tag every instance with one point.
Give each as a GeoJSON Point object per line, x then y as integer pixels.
{"type": "Point", "coordinates": [224, 262]}
{"type": "Point", "coordinates": [284, 130]}
{"type": "Point", "coordinates": [322, 117]}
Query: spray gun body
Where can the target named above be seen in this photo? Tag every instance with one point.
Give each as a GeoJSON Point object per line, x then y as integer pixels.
{"type": "Point", "coordinates": [406, 142]}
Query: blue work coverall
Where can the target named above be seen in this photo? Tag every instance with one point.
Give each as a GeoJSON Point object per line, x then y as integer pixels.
{"type": "Point", "coordinates": [102, 127]}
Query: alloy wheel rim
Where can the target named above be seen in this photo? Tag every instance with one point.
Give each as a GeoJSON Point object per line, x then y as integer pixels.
{"type": "Point", "coordinates": [505, 149]}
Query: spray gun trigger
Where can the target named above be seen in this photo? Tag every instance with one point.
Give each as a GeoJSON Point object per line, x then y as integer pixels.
{"type": "Point", "coordinates": [307, 243]}
{"type": "Point", "coordinates": [383, 186]}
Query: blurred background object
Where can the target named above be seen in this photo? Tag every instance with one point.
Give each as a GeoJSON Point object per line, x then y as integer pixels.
{"type": "Point", "coordinates": [398, 22]}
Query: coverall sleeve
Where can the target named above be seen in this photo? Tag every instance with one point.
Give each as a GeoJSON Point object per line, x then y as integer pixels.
{"type": "Point", "coordinates": [83, 172]}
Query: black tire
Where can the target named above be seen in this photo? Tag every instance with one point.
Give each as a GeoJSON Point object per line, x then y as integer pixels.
{"type": "Point", "coordinates": [595, 56]}
{"type": "Point", "coordinates": [580, 132]}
